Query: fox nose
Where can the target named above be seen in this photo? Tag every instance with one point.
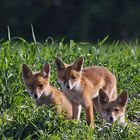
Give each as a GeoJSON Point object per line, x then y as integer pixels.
{"type": "Point", "coordinates": [67, 86]}
{"type": "Point", "coordinates": [35, 95]}
{"type": "Point", "coordinates": [111, 118]}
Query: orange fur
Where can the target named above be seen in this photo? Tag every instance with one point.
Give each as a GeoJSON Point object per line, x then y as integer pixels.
{"type": "Point", "coordinates": [81, 85]}
{"type": "Point", "coordinates": [112, 110]}
{"type": "Point", "coordinates": [38, 86]}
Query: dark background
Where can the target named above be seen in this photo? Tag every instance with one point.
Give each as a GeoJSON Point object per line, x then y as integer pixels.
{"type": "Point", "coordinates": [81, 20]}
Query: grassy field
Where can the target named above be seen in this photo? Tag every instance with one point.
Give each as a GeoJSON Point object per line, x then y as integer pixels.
{"type": "Point", "coordinates": [21, 119]}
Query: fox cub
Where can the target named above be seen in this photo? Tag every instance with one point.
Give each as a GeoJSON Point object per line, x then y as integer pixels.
{"type": "Point", "coordinates": [38, 86]}
{"type": "Point", "coordinates": [112, 110]}
{"type": "Point", "coordinates": [82, 85]}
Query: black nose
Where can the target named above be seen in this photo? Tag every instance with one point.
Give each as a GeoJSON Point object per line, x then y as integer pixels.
{"type": "Point", "coordinates": [111, 119]}
{"type": "Point", "coordinates": [67, 86]}
{"type": "Point", "coordinates": [35, 96]}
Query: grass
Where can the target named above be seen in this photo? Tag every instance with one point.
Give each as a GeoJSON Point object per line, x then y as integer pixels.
{"type": "Point", "coordinates": [21, 119]}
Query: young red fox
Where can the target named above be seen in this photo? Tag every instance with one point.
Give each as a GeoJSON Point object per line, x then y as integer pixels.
{"type": "Point", "coordinates": [38, 86]}
{"type": "Point", "coordinates": [112, 110]}
{"type": "Point", "coordinates": [81, 85]}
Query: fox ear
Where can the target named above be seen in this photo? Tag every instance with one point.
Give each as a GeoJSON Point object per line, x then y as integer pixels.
{"type": "Point", "coordinates": [45, 72]}
{"type": "Point", "coordinates": [123, 98]}
{"type": "Point", "coordinates": [78, 64]}
{"type": "Point", "coordinates": [103, 97]}
{"type": "Point", "coordinates": [60, 64]}
{"type": "Point", "coordinates": [26, 71]}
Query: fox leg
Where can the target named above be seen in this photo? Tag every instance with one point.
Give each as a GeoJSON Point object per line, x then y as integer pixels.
{"type": "Point", "coordinates": [88, 105]}
{"type": "Point", "coordinates": [76, 111]}
{"type": "Point", "coordinates": [89, 115]}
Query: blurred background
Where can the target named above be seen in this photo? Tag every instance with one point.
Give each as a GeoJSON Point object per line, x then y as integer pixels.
{"type": "Point", "coordinates": [81, 20]}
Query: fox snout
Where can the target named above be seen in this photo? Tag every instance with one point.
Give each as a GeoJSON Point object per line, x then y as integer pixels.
{"type": "Point", "coordinates": [33, 93]}
{"type": "Point", "coordinates": [108, 117]}
{"type": "Point", "coordinates": [69, 85]}
{"type": "Point", "coordinates": [65, 85]}
{"type": "Point", "coordinates": [35, 96]}
{"type": "Point", "coordinates": [121, 119]}
{"type": "Point", "coordinates": [111, 119]}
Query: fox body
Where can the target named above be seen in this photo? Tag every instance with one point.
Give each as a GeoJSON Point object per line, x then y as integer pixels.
{"type": "Point", "coordinates": [82, 85]}
{"type": "Point", "coordinates": [38, 86]}
{"type": "Point", "coordinates": [112, 110]}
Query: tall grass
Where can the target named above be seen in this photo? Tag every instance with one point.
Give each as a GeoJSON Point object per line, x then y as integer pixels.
{"type": "Point", "coordinates": [21, 119]}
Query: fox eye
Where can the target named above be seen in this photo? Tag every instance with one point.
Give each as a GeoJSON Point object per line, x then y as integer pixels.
{"type": "Point", "coordinates": [116, 110]}
{"type": "Point", "coordinates": [73, 77]}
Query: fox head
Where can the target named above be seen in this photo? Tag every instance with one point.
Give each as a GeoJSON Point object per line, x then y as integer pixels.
{"type": "Point", "coordinates": [36, 83]}
{"type": "Point", "coordinates": [69, 76]}
{"type": "Point", "coordinates": [113, 110]}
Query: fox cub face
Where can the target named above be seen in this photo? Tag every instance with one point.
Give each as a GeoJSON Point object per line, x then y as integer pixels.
{"type": "Point", "coordinates": [113, 110]}
{"type": "Point", "coordinates": [36, 83]}
{"type": "Point", "coordinates": [69, 76]}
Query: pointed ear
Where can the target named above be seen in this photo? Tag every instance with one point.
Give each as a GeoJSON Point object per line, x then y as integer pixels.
{"type": "Point", "coordinates": [122, 98]}
{"type": "Point", "coordinates": [59, 63]}
{"type": "Point", "coordinates": [45, 72]}
{"type": "Point", "coordinates": [26, 71]}
{"type": "Point", "coordinates": [78, 64]}
{"type": "Point", "coordinates": [103, 97]}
